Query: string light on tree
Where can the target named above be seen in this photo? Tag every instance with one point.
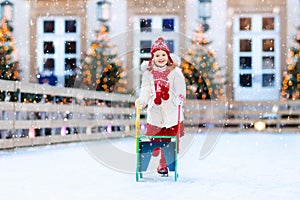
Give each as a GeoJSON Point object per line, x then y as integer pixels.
{"type": "Point", "coordinates": [291, 77]}
{"type": "Point", "coordinates": [101, 70]}
{"type": "Point", "coordinates": [9, 65]}
{"type": "Point", "coordinates": [203, 77]}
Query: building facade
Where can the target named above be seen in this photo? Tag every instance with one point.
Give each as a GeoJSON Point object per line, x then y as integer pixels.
{"type": "Point", "coordinates": [250, 38]}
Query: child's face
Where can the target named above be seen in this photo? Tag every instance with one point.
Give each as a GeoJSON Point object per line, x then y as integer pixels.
{"type": "Point", "coordinates": [160, 58]}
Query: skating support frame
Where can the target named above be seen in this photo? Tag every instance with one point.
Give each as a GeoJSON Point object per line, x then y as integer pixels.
{"type": "Point", "coordinates": [145, 147]}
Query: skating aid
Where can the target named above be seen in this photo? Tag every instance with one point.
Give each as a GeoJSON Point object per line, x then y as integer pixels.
{"type": "Point", "coordinates": [145, 146]}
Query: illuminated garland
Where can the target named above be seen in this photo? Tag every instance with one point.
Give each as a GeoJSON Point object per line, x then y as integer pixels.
{"type": "Point", "coordinates": [201, 71]}
{"type": "Point", "coordinates": [101, 70]}
{"type": "Point", "coordinates": [291, 80]}
{"type": "Point", "coordinates": [9, 67]}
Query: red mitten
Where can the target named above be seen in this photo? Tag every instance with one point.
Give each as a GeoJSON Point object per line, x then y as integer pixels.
{"type": "Point", "coordinates": [165, 92]}
{"type": "Point", "coordinates": [158, 93]}
{"type": "Point", "coordinates": [157, 101]}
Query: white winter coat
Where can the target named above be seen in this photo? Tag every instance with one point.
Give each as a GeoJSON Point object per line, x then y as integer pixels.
{"type": "Point", "coordinates": [165, 114]}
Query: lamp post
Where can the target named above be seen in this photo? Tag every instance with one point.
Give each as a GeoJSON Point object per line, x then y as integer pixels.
{"type": "Point", "coordinates": [204, 12]}
{"type": "Point", "coordinates": [103, 15]}
{"type": "Point", "coordinates": [6, 11]}
{"type": "Point", "coordinates": [104, 9]}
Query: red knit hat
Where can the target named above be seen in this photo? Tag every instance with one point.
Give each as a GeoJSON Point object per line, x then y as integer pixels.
{"type": "Point", "coordinates": [159, 44]}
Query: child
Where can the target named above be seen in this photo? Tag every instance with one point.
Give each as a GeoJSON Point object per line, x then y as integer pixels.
{"type": "Point", "coordinates": [163, 89]}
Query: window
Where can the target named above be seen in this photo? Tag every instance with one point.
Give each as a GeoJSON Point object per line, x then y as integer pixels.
{"type": "Point", "coordinates": [49, 26]}
{"type": "Point", "coordinates": [70, 47]}
{"type": "Point", "coordinates": [145, 25]}
{"type": "Point", "coordinates": [268, 62]}
{"type": "Point", "coordinates": [49, 47]}
{"type": "Point", "coordinates": [145, 46]}
{"type": "Point", "coordinates": [268, 80]}
{"type": "Point", "coordinates": [268, 23]}
{"type": "Point", "coordinates": [245, 45]}
{"type": "Point", "coordinates": [245, 24]}
{"type": "Point", "coordinates": [168, 24]}
{"type": "Point", "coordinates": [245, 62]}
{"type": "Point", "coordinates": [268, 44]}
{"type": "Point", "coordinates": [170, 44]}
{"type": "Point", "coordinates": [70, 26]}
{"type": "Point", "coordinates": [143, 59]}
{"type": "Point", "coordinates": [256, 56]}
{"type": "Point", "coordinates": [70, 66]}
{"type": "Point", "coordinates": [49, 64]}
{"type": "Point", "coordinates": [246, 80]}
{"type": "Point", "coordinates": [58, 47]}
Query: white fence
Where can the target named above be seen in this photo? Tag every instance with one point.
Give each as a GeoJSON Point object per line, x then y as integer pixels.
{"type": "Point", "coordinates": [91, 115]}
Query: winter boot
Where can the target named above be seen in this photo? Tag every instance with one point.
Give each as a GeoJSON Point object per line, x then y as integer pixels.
{"type": "Point", "coordinates": [162, 167]}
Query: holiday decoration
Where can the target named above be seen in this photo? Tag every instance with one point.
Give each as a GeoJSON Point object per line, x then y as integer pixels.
{"type": "Point", "coordinates": [203, 77]}
{"type": "Point", "coordinates": [291, 79]}
{"type": "Point", "coordinates": [101, 70]}
{"type": "Point", "coordinates": [8, 60]}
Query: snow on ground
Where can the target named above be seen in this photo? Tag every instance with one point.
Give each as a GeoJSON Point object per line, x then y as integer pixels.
{"type": "Point", "coordinates": [241, 166]}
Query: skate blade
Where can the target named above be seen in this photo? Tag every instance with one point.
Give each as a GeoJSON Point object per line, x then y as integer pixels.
{"type": "Point", "coordinates": [163, 173]}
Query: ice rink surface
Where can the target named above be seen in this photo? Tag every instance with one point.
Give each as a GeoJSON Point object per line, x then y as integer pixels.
{"type": "Point", "coordinates": [250, 166]}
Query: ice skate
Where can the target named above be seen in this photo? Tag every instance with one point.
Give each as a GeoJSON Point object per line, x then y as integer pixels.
{"type": "Point", "coordinates": [162, 167]}
{"type": "Point", "coordinates": [163, 171]}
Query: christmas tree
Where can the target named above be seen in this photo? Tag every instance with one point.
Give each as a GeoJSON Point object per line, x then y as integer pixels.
{"type": "Point", "coordinates": [8, 60]}
{"type": "Point", "coordinates": [203, 78]}
{"type": "Point", "coordinates": [291, 79]}
{"type": "Point", "coordinates": [101, 70]}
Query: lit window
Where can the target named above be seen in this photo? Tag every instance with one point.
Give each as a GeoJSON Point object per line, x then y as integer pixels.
{"type": "Point", "coordinates": [268, 45]}
{"type": "Point", "coordinates": [245, 24]}
{"type": "Point", "coordinates": [245, 45]}
{"type": "Point", "coordinates": [268, 23]}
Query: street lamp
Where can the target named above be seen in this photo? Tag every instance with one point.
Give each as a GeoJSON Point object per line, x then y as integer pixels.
{"type": "Point", "coordinates": [104, 8]}
{"type": "Point", "coordinates": [7, 10]}
{"type": "Point", "coordinates": [205, 12]}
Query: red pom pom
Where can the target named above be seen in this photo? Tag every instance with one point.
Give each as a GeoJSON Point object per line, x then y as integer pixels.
{"type": "Point", "coordinates": [158, 94]}
{"type": "Point", "coordinates": [165, 96]}
{"type": "Point", "coordinates": [157, 101]}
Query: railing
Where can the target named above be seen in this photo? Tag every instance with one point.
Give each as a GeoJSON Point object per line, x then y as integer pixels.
{"type": "Point", "coordinates": [267, 116]}
{"type": "Point", "coordinates": [81, 115]}
{"type": "Point", "coordinates": [85, 115]}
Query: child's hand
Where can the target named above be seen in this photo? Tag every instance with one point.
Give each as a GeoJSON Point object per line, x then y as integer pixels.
{"type": "Point", "coordinates": [138, 103]}
{"type": "Point", "coordinates": [180, 99]}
